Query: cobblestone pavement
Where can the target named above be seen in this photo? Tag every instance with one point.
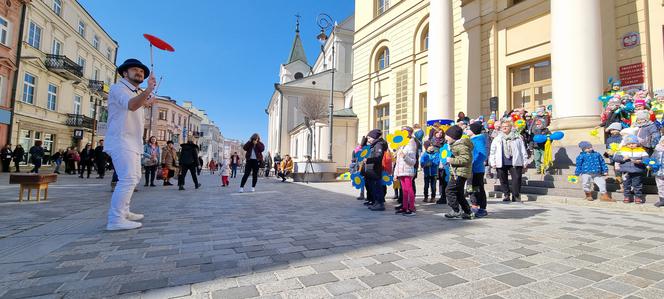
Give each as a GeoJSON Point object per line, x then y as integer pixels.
{"type": "Point", "coordinates": [316, 241]}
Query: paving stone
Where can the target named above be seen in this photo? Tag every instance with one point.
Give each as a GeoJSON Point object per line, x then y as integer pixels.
{"type": "Point", "coordinates": [647, 274]}
{"type": "Point", "coordinates": [591, 292]}
{"type": "Point", "coordinates": [524, 251]}
{"type": "Point", "coordinates": [327, 267]}
{"type": "Point", "coordinates": [446, 280]}
{"type": "Point", "coordinates": [109, 272]}
{"type": "Point", "coordinates": [438, 268]}
{"type": "Point", "coordinates": [513, 279]}
{"type": "Point", "coordinates": [32, 291]}
{"type": "Point", "coordinates": [616, 287]}
{"type": "Point", "coordinates": [379, 280]}
{"type": "Point", "coordinates": [236, 293]}
{"type": "Point", "coordinates": [279, 286]}
{"type": "Point", "coordinates": [78, 256]}
{"type": "Point", "coordinates": [164, 252]}
{"type": "Point", "coordinates": [518, 264]}
{"type": "Point", "coordinates": [193, 261]}
{"type": "Point", "coordinates": [57, 271]}
{"type": "Point", "coordinates": [317, 279]}
{"type": "Point", "coordinates": [143, 285]}
{"type": "Point", "coordinates": [344, 287]}
{"type": "Point", "coordinates": [456, 254]}
{"type": "Point", "coordinates": [591, 258]}
{"type": "Point", "coordinates": [590, 274]}
{"type": "Point", "coordinates": [383, 268]}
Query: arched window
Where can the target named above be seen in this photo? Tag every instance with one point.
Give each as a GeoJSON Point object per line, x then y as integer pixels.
{"type": "Point", "coordinates": [424, 45]}
{"type": "Point", "coordinates": [298, 76]}
{"type": "Point", "coordinates": [383, 59]}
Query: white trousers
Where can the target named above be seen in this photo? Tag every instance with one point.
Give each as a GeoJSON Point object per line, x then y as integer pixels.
{"type": "Point", "coordinates": [127, 165]}
{"type": "Point", "coordinates": [588, 179]}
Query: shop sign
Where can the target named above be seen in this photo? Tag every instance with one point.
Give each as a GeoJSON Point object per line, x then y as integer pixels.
{"type": "Point", "coordinates": [631, 40]}
{"type": "Point", "coordinates": [632, 74]}
{"type": "Point", "coordinates": [78, 134]}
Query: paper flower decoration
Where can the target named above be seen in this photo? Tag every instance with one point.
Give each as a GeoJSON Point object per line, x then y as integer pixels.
{"type": "Point", "coordinates": [357, 180]}
{"type": "Point", "coordinates": [594, 132]}
{"type": "Point", "coordinates": [651, 164]}
{"type": "Point", "coordinates": [573, 179]}
{"type": "Point", "coordinates": [363, 153]}
{"type": "Point", "coordinates": [445, 153]}
{"type": "Point", "coordinates": [614, 147]}
{"type": "Point", "coordinates": [520, 124]}
{"type": "Point", "coordinates": [398, 139]}
{"type": "Point", "coordinates": [344, 176]}
{"type": "Point", "coordinates": [387, 179]}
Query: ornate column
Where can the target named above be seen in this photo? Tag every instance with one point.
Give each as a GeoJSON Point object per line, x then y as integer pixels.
{"type": "Point", "coordinates": [440, 94]}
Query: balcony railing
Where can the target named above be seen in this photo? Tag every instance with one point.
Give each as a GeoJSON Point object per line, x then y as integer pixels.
{"type": "Point", "coordinates": [98, 87]}
{"type": "Point", "coordinates": [81, 121]}
{"type": "Point", "coordinates": [64, 66]}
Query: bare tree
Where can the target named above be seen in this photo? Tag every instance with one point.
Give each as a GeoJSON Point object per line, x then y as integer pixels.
{"type": "Point", "coordinates": [314, 110]}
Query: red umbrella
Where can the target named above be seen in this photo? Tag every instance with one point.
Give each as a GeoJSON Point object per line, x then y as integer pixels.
{"type": "Point", "coordinates": [159, 43]}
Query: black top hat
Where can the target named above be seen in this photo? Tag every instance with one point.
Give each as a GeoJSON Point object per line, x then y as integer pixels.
{"type": "Point", "coordinates": [131, 62]}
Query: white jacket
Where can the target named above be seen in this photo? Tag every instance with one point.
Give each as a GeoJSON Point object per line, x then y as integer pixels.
{"type": "Point", "coordinates": [224, 168]}
{"type": "Point", "coordinates": [405, 166]}
{"type": "Point", "coordinates": [519, 153]}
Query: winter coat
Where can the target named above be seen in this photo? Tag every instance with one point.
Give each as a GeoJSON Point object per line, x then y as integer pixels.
{"type": "Point", "coordinates": [36, 154]}
{"type": "Point", "coordinates": [373, 167]}
{"type": "Point", "coordinates": [6, 154]}
{"type": "Point", "coordinates": [19, 153]}
{"type": "Point", "coordinates": [169, 158]}
{"type": "Point", "coordinates": [659, 157]}
{"type": "Point", "coordinates": [479, 152]}
{"type": "Point", "coordinates": [461, 161]}
{"type": "Point", "coordinates": [100, 155]}
{"type": "Point", "coordinates": [496, 153]}
{"type": "Point", "coordinates": [625, 158]}
{"type": "Point", "coordinates": [287, 165]}
{"type": "Point", "coordinates": [189, 154]}
{"type": "Point", "coordinates": [613, 139]}
{"type": "Point", "coordinates": [87, 155]}
{"type": "Point", "coordinates": [258, 149]}
{"type": "Point", "coordinates": [405, 166]}
{"type": "Point", "coordinates": [224, 168]}
{"type": "Point", "coordinates": [429, 162]}
{"type": "Point", "coordinates": [648, 136]}
{"type": "Point", "coordinates": [590, 163]}
{"type": "Point", "coordinates": [147, 154]}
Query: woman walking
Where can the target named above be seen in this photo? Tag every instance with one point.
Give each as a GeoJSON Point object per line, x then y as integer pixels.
{"type": "Point", "coordinates": [19, 152]}
{"type": "Point", "coordinates": [87, 156]}
{"type": "Point", "coordinates": [508, 155]}
{"type": "Point", "coordinates": [151, 154]}
{"type": "Point", "coordinates": [254, 148]}
{"type": "Point", "coordinates": [169, 162]}
{"type": "Point", "coordinates": [36, 156]}
{"type": "Point", "coordinates": [404, 171]}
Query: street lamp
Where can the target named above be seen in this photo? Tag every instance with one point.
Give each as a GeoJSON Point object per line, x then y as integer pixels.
{"type": "Point", "coordinates": [324, 21]}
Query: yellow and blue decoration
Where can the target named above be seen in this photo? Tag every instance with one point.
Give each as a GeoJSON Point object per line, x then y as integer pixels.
{"type": "Point", "coordinates": [398, 139]}
{"type": "Point", "coordinates": [614, 147]}
{"type": "Point", "coordinates": [357, 180]}
{"type": "Point", "coordinates": [363, 153]}
{"type": "Point", "coordinates": [344, 176]}
{"type": "Point", "coordinates": [594, 132]}
{"type": "Point", "coordinates": [445, 153]}
{"type": "Point", "coordinates": [547, 158]}
{"type": "Point", "coordinates": [573, 179]}
{"type": "Point", "coordinates": [387, 179]}
{"type": "Point", "coordinates": [651, 165]}
{"type": "Point", "coordinates": [520, 124]}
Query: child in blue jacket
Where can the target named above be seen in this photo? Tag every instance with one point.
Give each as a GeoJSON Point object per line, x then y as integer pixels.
{"type": "Point", "coordinates": [479, 157]}
{"type": "Point", "coordinates": [591, 167]}
{"type": "Point", "coordinates": [429, 162]}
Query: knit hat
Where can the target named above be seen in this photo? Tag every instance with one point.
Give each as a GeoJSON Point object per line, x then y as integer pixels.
{"type": "Point", "coordinates": [584, 145]}
{"type": "Point", "coordinates": [615, 101]}
{"type": "Point", "coordinates": [614, 126]}
{"type": "Point", "coordinates": [630, 139]}
{"type": "Point", "coordinates": [476, 127]}
{"type": "Point", "coordinates": [419, 134]}
{"type": "Point", "coordinates": [375, 134]}
{"type": "Point", "coordinates": [455, 132]}
{"type": "Point", "coordinates": [643, 115]}
{"type": "Point", "coordinates": [641, 102]}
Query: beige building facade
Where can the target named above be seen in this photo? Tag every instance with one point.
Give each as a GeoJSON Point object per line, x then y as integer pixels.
{"type": "Point", "coordinates": [525, 53]}
{"type": "Point", "coordinates": [67, 64]}
{"type": "Point", "coordinates": [170, 121]}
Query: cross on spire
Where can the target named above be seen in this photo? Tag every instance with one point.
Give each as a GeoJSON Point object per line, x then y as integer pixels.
{"type": "Point", "coordinates": [297, 23]}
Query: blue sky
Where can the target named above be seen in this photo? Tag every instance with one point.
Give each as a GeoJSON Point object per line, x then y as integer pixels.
{"type": "Point", "coordinates": [227, 53]}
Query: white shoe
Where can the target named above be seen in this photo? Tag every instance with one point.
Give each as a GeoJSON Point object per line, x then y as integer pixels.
{"type": "Point", "coordinates": [134, 217]}
{"type": "Point", "coordinates": [241, 190]}
{"type": "Point", "coordinates": [123, 225]}
{"type": "Point", "coordinates": [253, 189]}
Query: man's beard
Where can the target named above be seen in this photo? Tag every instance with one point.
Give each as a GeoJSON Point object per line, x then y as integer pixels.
{"type": "Point", "coordinates": [137, 82]}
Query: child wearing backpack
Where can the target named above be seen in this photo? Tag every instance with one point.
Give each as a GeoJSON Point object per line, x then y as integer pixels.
{"type": "Point", "coordinates": [429, 161]}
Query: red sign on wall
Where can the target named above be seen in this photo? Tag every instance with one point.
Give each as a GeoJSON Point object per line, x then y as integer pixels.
{"type": "Point", "coordinates": [632, 74]}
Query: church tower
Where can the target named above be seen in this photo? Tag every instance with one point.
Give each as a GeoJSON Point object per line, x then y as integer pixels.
{"type": "Point", "coordinates": [296, 67]}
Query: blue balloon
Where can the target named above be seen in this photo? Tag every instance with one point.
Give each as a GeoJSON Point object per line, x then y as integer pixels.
{"type": "Point", "coordinates": [557, 135]}
{"type": "Point", "coordinates": [540, 138]}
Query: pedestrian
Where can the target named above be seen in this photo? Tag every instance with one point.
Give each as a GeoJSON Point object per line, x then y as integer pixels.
{"type": "Point", "coordinates": [461, 117]}
{"type": "Point", "coordinates": [100, 159]}
{"type": "Point", "coordinates": [508, 156]}
{"type": "Point", "coordinates": [212, 166]}
{"type": "Point", "coordinates": [438, 141]}
{"type": "Point", "coordinates": [150, 160]}
{"type": "Point", "coordinates": [57, 159]}
{"type": "Point", "coordinates": [461, 164]}
{"type": "Point", "coordinates": [69, 161]}
{"type": "Point", "coordinates": [479, 141]}
{"type": "Point", "coordinates": [404, 171]}
{"type": "Point", "coordinates": [277, 162]}
{"type": "Point", "coordinates": [77, 160]}
{"type": "Point", "coordinates": [36, 156]}
{"type": "Point", "coordinates": [235, 162]}
{"type": "Point", "coordinates": [189, 161]}
{"type": "Point", "coordinates": [199, 165]}
{"type": "Point", "coordinates": [268, 164]}
{"type": "Point", "coordinates": [373, 169]}
{"type": "Point", "coordinates": [87, 157]}
{"type": "Point", "coordinates": [224, 171]}
{"type": "Point", "coordinates": [630, 157]}
{"type": "Point", "coordinates": [539, 128]}
{"type": "Point", "coordinates": [169, 162]}
{"type": "Point", "coordinates": [648, 133]}
{"type": "Point", "coordinates": [254, 154]}
{"type": "Point", "coordinates": [286, 167]}
{"type": "Point", "coordinates": [19, 154]}
{"type": "Point", "coordinates": [6, 157]}
{"type": "Point", "coordinates": [591, 167]}
{"type": "Point", "coordinates": [658, 156]}
{"type": "Point", "coordinates": [429, 161]}
{"type": "Point", "coordinates": [126, 120]}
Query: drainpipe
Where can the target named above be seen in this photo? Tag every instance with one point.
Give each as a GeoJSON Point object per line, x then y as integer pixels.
{"type": "Point", "coordinates": [12, 101]}
{"type": "Point", "coordinates": [281, 117]}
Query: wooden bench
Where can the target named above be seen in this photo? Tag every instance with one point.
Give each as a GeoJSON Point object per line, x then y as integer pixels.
{"type": "Point", "coordinates": [33, 181]}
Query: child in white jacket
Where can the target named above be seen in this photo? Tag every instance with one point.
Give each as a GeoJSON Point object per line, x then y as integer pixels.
{"type": "Point", "coordinates": [224, 171]}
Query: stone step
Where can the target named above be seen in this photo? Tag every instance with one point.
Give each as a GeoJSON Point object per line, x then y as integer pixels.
{"type": "Point", "coordinates": [611, 186]}
{"type": "Point", "coordinates": [533, 192]}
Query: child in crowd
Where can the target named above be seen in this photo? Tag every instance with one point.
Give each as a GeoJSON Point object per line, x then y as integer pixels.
{"type": "Point", "coordinates": [479, 157]}
{"type": "Point", "coordinates": [591, 167]}
{"type": "Point", "coordinates": [614, 138]}
{"type": "Point", "coordinates": [224, 171]}
{"type": "Point", "coordinates": [539, 128]}
{"type": "Point", "coordinates": [630, 157]}
{"type": "Point", "coordinates": [461, 164]}
{"type": "Point", "coordinates": [404, 171]}
{"type": "Point", "coordinates": [429, 161]}
{"type": "Point", "coordinates": [647, 132]}
{"type": "Point", "coordinates": [659, 175]}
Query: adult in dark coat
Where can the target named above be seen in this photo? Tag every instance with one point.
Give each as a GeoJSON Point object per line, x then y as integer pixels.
{"type": "Point", "coordinates": [87, 157]}
{"type": "Point", "coordinates": [373, 170]}
{"type": "Point", "coordinates": [6, 155]}
{"type": "Point", "coordinates": [100, 159]}
{"type": "Point", "coordinates": [188, 162]}
{"type": "Point", "coordinates": [254, 148]}
{"type": "Point", "coordinates": [18, 154]}
{"type": "Point", "coordinates": [36, 156]}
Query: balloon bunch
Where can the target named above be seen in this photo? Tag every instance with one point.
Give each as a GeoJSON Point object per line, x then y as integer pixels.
{"type": "Point", "coordinates": [547, 158]}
